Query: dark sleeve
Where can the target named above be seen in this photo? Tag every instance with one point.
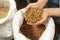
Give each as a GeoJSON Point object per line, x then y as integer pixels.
{"type": "Point", "coordinates": [21, 4]}
{"type": "Point", "coordinates": [53, 3]}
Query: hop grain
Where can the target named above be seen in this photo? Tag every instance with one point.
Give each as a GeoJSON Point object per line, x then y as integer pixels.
{"type": "Point", "coordinates": [33, 15]}
{"type": "Point", "coordinates": [32, 32]}
{"type": "Point", "coordinates": [3, 12]}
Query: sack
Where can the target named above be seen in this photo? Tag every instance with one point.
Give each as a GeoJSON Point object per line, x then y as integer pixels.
{"type": "Point", "coordinates": [6, 19]}
{"type": "Point", "coordinates": [48, 34]}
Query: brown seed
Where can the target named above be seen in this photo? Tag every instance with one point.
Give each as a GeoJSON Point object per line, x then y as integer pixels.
{"type": "Point", "coordinates": [32, 31]}
{"type": "Point", "coordinates": [33, 15]}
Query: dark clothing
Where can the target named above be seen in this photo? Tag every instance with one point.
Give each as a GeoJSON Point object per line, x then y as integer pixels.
{"type": "Point", "coordinates": [24, 3]}
{"type": "Point", "coordinates": [53, 3]}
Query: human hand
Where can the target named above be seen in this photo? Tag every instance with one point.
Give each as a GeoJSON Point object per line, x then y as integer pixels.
{"type": "Point", "coordinates": [43, 20]}
{"type": "Point", "coordinates": [36, 6]}
{"type": "Point", "coordinates": [39, 4]}
{"type": "Point", "coordinates": [32, 5]}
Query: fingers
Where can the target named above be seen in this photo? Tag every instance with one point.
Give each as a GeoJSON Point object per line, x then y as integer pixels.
{"type": "Point", "coordinates": [31, 23]}
{"type": "Point", "coordinates": [41, 21]}
{"type": "Point", "coordinates": [44, 18]}
{"type": "Point", "coordinates": [44, 15]}
{"type": "Point", "coordinates": [27, 7]}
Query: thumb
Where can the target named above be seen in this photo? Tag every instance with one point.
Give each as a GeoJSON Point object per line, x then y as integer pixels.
{"type": "Point", "coordinates": [26, 8]}
{"type": "Point", "coordinates": [41, 21]}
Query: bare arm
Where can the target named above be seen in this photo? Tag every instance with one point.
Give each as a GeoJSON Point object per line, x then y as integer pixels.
{"type": "Point", "coordinates": [53, 11]}
{"type": "Point", "coordinates": [39, 4]}
{"type": "Point", "coordinates": [47, 13]}
{"type": "Point", "coordinates": [42, 3]}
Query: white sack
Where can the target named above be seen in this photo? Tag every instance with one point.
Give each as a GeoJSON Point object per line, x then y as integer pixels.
{"type": "Point", "coordinates": [6, 22]}
{"type": "Point", "coordinates": [48, 34]}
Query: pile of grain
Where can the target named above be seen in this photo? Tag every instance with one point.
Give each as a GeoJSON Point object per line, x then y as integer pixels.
{"type": "Point", "coordinates": [3, 12]}
{"type": "Point", "coordinates": [33, 15]}
{"type": "Point", "coordinates": [32, 32]}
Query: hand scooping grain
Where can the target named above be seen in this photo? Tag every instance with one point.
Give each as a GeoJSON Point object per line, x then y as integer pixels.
{"type": "Point", "coordinates": [32, 32]}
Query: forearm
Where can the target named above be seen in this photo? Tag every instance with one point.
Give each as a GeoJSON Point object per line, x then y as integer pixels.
{"type": "Point", "coordinates": [53, 11]}
{"type": "Point", "coordinates": [42, 3]}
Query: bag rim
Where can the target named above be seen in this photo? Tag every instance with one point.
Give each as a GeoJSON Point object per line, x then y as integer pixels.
{"type": "Point", "coordinates": [12, 3]}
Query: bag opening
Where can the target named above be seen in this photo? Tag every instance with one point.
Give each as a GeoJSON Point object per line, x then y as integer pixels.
{"type": "Point", "coordinates": [4, 8]}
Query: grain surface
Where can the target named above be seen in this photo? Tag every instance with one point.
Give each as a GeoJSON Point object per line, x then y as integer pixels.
{"type": "Point", "coordinates": [3, 12]}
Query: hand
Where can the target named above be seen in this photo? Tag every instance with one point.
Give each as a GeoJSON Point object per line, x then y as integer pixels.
{"type": "Point", "coordinates": [39, 4]}
{"type": "Point", "coordinates": [43, 20]}
{"type": "Point", "coordinates": [32, 5]}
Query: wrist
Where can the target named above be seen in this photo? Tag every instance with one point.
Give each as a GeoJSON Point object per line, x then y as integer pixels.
{"type": "Point", "coordinates": [42, 3]}
{"type": "Point", "coordinates": [39, 5]}
{"type": "Point", "coordinates": [46, 10]}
